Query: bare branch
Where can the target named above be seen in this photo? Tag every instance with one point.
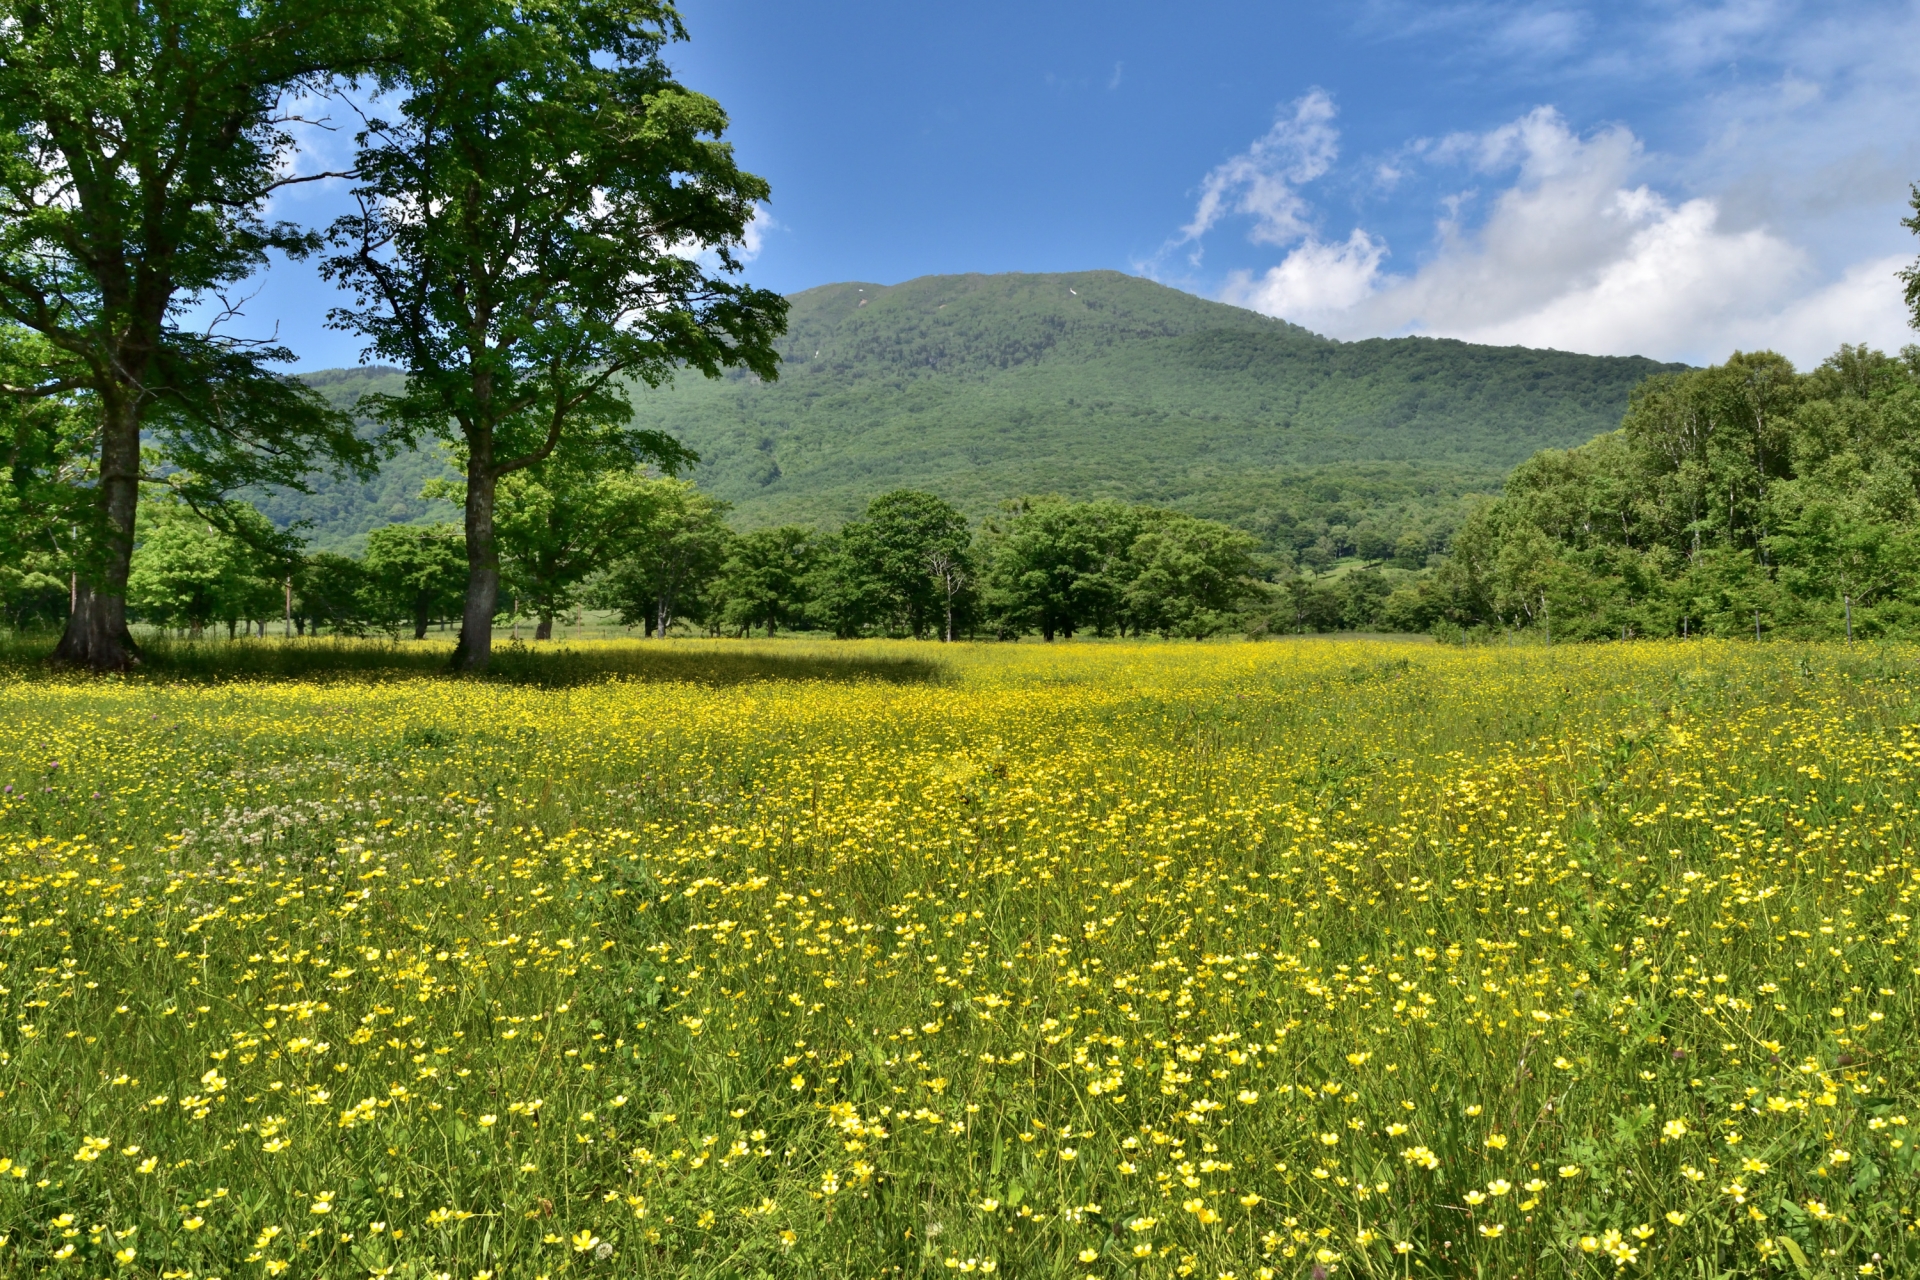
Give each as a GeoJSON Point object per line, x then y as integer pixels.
{"type": "Point", "coordinates": [296, 179]}
{"type": "Point", "coordinates": [46, 389]}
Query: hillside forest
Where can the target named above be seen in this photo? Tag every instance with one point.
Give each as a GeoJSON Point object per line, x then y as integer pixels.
{"type": "Point", "coordinates": [1088, 384]}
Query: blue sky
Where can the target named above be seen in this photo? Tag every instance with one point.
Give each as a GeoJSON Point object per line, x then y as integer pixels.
{"type": "Point", "coordinates": [1667, 179]}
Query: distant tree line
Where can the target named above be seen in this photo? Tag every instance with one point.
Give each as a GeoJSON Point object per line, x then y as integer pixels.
{"type": "Point", "coordinates": [1745, 499]}
{"type": "Point", "coordinates": [658, 554]}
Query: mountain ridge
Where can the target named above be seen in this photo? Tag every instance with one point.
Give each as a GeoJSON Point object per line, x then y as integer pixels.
{"type": "Point", "coordinates": [1098, 384]}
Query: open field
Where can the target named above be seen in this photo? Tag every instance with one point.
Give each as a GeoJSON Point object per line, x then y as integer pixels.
{"type": "Point", "coordinates": [715, 960]}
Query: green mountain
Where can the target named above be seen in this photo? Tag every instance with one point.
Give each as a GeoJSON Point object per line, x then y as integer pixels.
{"type": "Point", "coordinates": [1098, 384]}
{"type": "Point", "coordinates": [340, 513]}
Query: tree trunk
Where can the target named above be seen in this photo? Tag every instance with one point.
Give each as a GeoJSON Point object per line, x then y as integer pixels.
{"type": "Point", "coordinates": [420, 621]}
{"type": "Point", "coordinates": [475, 649]}
{"type": "Point", "coordinates": [544, 631]}
{"type": "Point", "coordinates": [96, 636]}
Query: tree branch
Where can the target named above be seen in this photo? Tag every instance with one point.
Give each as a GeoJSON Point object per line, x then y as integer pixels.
{"type": "Point", "coordinates": [48, 389]}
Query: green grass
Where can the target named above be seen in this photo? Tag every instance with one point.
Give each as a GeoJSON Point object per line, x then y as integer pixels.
{"type": "Point", "coordinates": [1115, 960]}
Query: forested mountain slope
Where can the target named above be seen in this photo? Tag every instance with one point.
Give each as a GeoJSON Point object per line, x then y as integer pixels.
{"type": "Point", "coordinates": [341, 512]}
{"type": "Point", "coordinates": [1098, 384]}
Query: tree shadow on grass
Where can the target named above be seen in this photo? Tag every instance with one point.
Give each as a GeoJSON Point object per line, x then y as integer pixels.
{"type": "Point", "coordinates": [544, 665]}
{"type": "Point", "coordinates": [718, 665]}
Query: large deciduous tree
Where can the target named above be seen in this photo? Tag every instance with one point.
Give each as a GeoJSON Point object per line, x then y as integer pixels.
{"type": "Point", "coordinates": [188, 572]}
{"type": "Point", "coordinates": [1063, 567]}
{"type": "Point", "coordinates": [548, 218]}
{"type": "Point", "coordinates": [139, 143]}
{"type": "Point", "coordinates": [334, 591]}
{"type": "Point", "coordinates": [897, 570]}
{"type": "Point", "coordinates": [414, 575]}
{"type": "Point", "coordinates": [1188, 577]}
{"type": "Point", "coordinates": [1059, 567]}
{"type": "Point", "coordinates": [46, 448]}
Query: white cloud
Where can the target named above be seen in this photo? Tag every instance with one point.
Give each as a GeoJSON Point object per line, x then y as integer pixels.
{"type": "Point", "coordinates": [1777, 109]}
{"type": "Point", "coordinates": [1688, 37]}
{"type": "Point", "coordinates": [1864, 305]}
{"type": "Point", "coordinates": [1653, 38]}
{"type": "Point", "coordinates": [1261, 181]}
{"type": "Point", "coordinates": [1573, 253]}
{"type": "Point", "coordinates": [755, 236]}
{"type": "Point", "coordinates": [1572, 256]}
{"type": "Point", "coordinates": [1675, 280]}
{"type": "Point", "coordinates": [1317, 284]}
{"type": "Point", "coordinates": [1532, 32]}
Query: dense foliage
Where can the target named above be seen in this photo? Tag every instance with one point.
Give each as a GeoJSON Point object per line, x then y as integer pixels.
{"type": "Point", "coordinates": [190, 573]}
{"type": "Point", "coordinates": [545, 213]}
{"type": "Point", "coordinates": [1136, 962]}
{"type": "Point", "coordinates": [1059, 567]}
{"type": "Point", "coordinates": [1744, 499]}
{"type": "Point", "coordinates": [46, 447]}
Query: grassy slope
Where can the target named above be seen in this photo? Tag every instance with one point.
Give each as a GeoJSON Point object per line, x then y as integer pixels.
{"type": "Point", "coordinates": [1092, 384]}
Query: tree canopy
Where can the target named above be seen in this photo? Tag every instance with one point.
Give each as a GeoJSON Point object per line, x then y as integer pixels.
{"type": "Point", "coordinates": [560, 525]}
{"type": "Point", "coordinates": [1744, 498]}
{"type": "Point", "coordinates": [665, 566]}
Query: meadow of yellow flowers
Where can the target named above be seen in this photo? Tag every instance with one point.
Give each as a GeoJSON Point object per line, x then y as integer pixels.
{"type": "Point", "coordinates": [1241, 960]}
